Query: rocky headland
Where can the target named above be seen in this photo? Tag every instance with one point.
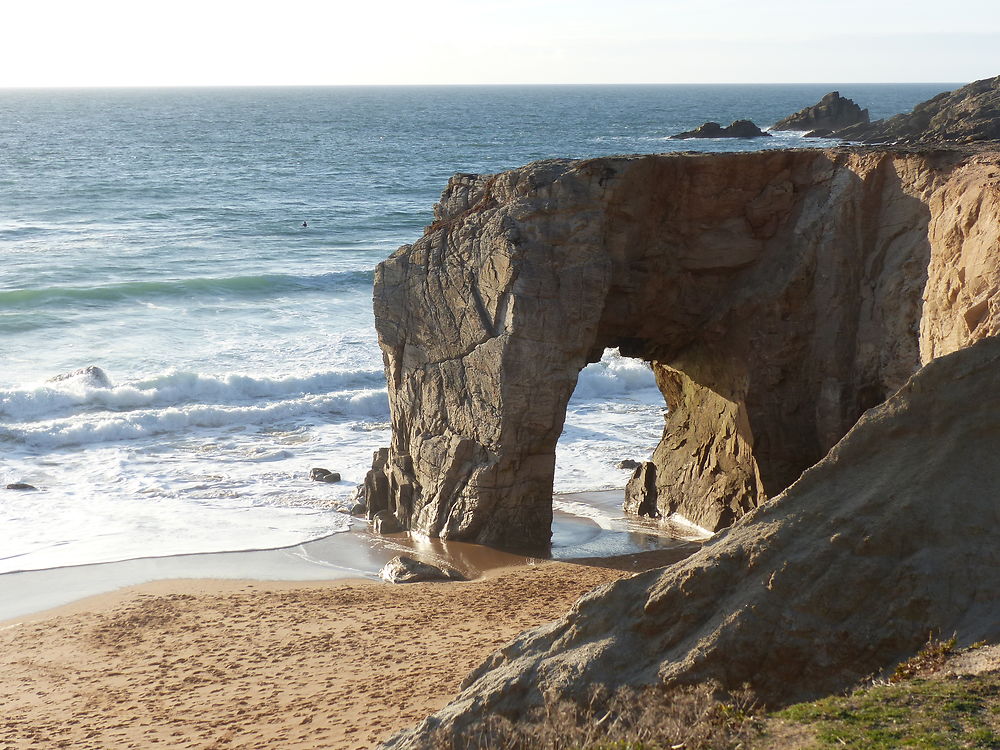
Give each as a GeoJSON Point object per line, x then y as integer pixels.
{"type": "Point", "coordinates": [967, 115]}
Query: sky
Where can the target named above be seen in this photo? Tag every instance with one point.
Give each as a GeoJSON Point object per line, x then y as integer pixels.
{"type": "Point", "coordinates": [306, 42]}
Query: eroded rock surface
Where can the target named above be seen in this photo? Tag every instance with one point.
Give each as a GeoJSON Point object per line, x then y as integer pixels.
{"type": "Point", "coordinates": [832, 112]}
{"type": "Point", "coordinates": [778, 295]}
{"type": "Point", "coordinates": [894, 535]}
{"type": "Point", "coordinates": [966, 115]}
{"type": "Point", "coordinates": [404, 569]}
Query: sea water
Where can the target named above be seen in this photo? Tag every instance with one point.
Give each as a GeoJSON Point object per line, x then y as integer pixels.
{"type": "Point", "coordinates": [212, 252]}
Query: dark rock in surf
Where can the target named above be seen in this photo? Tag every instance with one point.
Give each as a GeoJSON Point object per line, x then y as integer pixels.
{"type": "Point", "coordinates": [408, 570]}
{"type": "Point", "coordinates": [832, 112]}
{"type": "Point", "coordinates": [324, 475]}
{"type": "Point", "coordinates": [375, 491]}
{"type": "Point", "coordinates": [640, 492]}
{"type": "Point", "coordinates": [21, 486]}
{"type": "Point", "coordinates": [629, 464]}
{"type": "Point", "coordinates": [358, 505]}
{"type": "Point", "coordinates": [739, 129]}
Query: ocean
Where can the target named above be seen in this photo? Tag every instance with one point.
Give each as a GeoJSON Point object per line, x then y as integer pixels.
{"type": "Point", "coordinates": [212, 252]}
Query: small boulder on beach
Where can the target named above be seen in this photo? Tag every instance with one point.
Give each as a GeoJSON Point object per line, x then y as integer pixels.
{"type": "Point", "coordinates": [384, 522]}
{"type": "Point", "coordinates": [408, 570]}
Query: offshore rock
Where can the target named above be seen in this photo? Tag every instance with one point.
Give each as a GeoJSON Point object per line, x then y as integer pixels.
{"type": "Point", "coordinates": [318, 474]}
{"type": "Point", "coordinates": [894, 535]}
{"type": "Point", "coordinates": [739, 129]}
{"type": "Point", "coordinates": [778, 295]}
{"type": "Point", "coordinates": [966, 115]}
{"type": "Point", "coordinates": [832, 112]}
{"type": "Point", "coordinates": [23, 486]}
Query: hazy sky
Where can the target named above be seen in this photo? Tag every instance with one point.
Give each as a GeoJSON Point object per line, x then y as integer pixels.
{"type": "Point", "coordinates": [218, 42]}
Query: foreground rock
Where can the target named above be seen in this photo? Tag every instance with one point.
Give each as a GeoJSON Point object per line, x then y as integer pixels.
{"type": "Point", "coordinates": [778, 295]}
{"type": "Point", "coordinates": [739, 129]}
{"type": "Point", "coordinates": [832, 112]}
{"type": "Point", "coordinates": [894, 535]}
{"type": "Point", "coordinates": [407, 570]}
{"type": "Point", "coordinates": [966, 115]}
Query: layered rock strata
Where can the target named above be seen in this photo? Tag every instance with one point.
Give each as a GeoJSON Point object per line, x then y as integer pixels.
{"type": "Point", "coordinates": [892, 536]}
{"type": "Point", "coordinates": [778, 295]}
{"type": "Point", "coordinates": [832, 112]}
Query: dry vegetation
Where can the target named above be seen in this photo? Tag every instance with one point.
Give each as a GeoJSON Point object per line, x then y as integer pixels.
{"type": "Point", "coordinates": [686, 717]}
{"type": "Point", "coordinates": [924, 704]}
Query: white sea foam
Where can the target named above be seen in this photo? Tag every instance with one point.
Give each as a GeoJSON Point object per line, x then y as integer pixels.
{"type": "Point", "coordinates": [138, 424]}
{"type": "Point", "coordinates": [616, 412]}
{"type": "Point", "coordinates": [614, 375]}
{"type": "Point", "coordinates": [53, 399]}
{"type": "Point", "coordinates": [599, 516]}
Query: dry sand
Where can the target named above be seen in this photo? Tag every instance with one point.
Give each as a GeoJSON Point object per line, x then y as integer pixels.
{"type": "Point", "coordinates": [237, 664]}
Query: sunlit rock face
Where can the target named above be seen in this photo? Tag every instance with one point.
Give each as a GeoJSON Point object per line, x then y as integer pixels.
{"type": "Point", "coordinates": [778, 295]}
{"type": "Point", "coordinates": [895, 533]}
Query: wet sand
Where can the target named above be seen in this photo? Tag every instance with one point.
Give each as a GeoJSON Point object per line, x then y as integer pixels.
{"type": "Point", "coordinates": [234, 664]}
{"type": "Point", "coordinates": [354, 554]}
{"type": "Point", "coordinates": [262, 664]}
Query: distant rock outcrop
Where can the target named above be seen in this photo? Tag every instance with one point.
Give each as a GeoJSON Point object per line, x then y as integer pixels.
{"type": "Point", "coordinates": [832, 112]}
{"type": "Point", "coordinates": [739, 129]}
{"type": "Point", "coordinates": [966, 115]}
{"type": "Point", "coordinates": [777, 294]}
{"type": "Point", "coordinates": [894, 535]}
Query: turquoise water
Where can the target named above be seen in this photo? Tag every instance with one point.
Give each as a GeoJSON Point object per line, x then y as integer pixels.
{"type": "Point", "coordinates": [158, 235]}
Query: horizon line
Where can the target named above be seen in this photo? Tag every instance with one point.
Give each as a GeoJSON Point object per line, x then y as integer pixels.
{"type": "Point", "coordinates": [130, 86]}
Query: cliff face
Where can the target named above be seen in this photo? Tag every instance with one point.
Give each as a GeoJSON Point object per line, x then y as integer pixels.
{"type": "Point", "coordinates": [778, 295]}
{"type": "Point", "coordinates": [895, 534]}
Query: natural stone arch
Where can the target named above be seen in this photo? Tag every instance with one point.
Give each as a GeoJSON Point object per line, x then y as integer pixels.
{"type": "Point", "coordinates": [777, 294]}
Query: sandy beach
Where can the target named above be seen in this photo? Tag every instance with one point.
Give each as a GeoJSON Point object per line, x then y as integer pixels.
{"type": "Point", "coordinates": [209, 659]}
{"type": "Point", "coordinates": [239, 664]}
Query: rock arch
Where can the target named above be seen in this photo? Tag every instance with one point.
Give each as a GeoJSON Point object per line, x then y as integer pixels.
{"type": "Point", "coordinates": [777, 294]}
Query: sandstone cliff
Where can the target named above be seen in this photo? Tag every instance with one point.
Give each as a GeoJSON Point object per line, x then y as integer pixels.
{"type": "Point", "coordinates": [895, 534]}
{"type": "Point", "coordinates": [778, 296]}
